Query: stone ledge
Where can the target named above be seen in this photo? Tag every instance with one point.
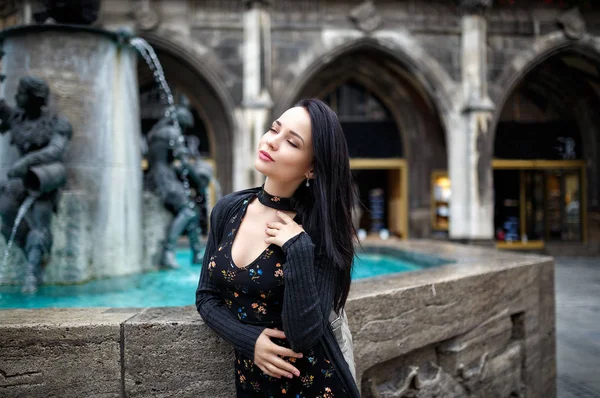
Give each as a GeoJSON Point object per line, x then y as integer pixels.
{"type": "Point", "coordinates": [483, 325]}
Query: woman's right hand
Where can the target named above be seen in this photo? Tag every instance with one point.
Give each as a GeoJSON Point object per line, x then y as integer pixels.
{"type": "Point", "coordinates": [267, 355]}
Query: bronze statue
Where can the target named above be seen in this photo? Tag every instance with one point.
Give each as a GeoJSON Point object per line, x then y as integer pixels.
{"type": "Point", "coordinates": [171, 176]}
{"type": "Point", "coordinates": [41, 139]}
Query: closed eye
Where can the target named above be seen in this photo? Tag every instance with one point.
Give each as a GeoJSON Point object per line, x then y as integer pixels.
{"type": "Point", "coordinates": [292, 144]}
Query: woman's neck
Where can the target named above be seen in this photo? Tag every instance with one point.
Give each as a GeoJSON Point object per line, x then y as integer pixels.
{"type": "Point", "coordinates": [277, 189]}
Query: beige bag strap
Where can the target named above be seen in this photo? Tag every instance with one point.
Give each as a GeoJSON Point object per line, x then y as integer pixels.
{"type": "Point", "coordinates": [341, 331]}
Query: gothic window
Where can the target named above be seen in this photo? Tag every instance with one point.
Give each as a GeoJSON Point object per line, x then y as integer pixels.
{"type": "Point", "coordinates": [370, 130]}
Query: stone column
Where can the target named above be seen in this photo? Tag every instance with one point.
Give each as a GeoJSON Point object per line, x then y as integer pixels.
{"type": "Point", "coordinates": [471, 211]}
{"type": "Point", "coordinates": [257, 101]}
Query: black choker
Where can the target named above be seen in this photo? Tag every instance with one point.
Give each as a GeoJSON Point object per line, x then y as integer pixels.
{"type": "Point", "coordinates": [275, 202]}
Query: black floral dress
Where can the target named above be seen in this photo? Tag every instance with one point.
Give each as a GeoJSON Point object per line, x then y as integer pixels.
{"type": "Point", "coordinates": [254, 294]}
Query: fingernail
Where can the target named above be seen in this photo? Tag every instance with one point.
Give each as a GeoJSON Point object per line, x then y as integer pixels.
{"type": "Point", "coordinates": [290, 376]}
{"type": "Point", "coordinates": [297, 374]}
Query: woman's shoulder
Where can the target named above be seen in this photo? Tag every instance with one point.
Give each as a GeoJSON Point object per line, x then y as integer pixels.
{"type": "Point", "coordinates": [230, 201]}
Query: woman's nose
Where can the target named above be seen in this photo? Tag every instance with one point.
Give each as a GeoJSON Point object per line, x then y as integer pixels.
{"type": "Point", "coordinates": [272, 143]}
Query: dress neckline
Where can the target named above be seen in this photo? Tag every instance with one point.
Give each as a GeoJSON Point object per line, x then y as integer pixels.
{"type": "Point", "coordinates": [237, 228]}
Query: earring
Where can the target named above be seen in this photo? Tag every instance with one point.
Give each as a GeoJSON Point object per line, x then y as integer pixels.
{"type": "Point", "coordinates": [307, 182]}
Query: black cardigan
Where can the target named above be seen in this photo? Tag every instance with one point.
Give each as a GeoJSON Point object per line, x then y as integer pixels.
{"type": "Point", "coordinates": [308, 295]}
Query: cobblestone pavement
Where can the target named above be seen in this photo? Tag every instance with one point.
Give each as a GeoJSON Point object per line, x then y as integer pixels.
{"type": "Point", "coordinates": [578, 327]}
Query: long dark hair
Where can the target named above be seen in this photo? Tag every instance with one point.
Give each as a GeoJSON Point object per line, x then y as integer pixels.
{"type": "Point", "coordinates": [326, 205]}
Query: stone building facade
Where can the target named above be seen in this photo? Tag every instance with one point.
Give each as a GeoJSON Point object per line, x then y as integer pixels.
{"type": "Point", "coordinates": [492, 100]}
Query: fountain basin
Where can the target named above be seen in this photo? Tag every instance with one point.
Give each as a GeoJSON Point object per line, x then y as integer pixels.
{"type": "Point", "coordinates": [166, 288]}
{"type": "Point", "coordinates": [93, 83]}
{"type": "Point", "coordinates": [484, 325]}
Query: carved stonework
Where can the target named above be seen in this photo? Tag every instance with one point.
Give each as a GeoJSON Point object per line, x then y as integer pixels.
{"type": "Point", "coordinates": [484, 362]}
{"type": "Point", "coordinates": [366, 17]}
{"type": "Point", "coordinates": [572, 23]}
{"type": "Point", "coordinates": [145, 15]}
{"type": "Point", "coordinates": [474, 6]}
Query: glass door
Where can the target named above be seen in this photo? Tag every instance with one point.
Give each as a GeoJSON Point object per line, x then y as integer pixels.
{"type": "Point", "coordinates": [507, 210]}
{"type": "Point", "coordinates": [534, 228]}
{"type": "Point", "coordinates": [563, 207]}
{"type": "Point", "coordinates": [538, 201]}
{"type": "Point", "coordinates": [571, 198]}
{"type": "Point", "coordinates": [554, 205]}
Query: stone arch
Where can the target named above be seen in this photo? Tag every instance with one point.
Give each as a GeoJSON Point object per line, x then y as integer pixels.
{"type": "Point", "coordinates": [543, 52]}
{"type": "Point", "coordinates": [417, 95]}
{"type": "Point", "coordinates": [208, 91]}
{"type": "Point", "coordinates": [543, 49]}
{"type": "Point", "coordinates": [434, 80]}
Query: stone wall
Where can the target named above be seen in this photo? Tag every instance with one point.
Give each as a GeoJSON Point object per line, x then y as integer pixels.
{"type": "Point", "coordinates": [462, 67]}
{"type": "Point", "coordinates": [481, 327]}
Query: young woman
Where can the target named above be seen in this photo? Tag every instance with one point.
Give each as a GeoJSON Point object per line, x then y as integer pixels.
{"type": "Point", "coordinates": [278, 260]}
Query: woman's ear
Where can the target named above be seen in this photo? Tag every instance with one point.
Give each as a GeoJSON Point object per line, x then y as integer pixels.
{"type": "Point", "coordinates": [310, 174]}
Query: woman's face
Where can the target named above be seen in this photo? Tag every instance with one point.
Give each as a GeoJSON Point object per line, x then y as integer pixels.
{"type": "Point", "coordinates": [285, 152]}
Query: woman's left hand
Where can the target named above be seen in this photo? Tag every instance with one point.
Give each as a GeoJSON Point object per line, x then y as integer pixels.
{"type": "Point", "coordinates": [280, 232]}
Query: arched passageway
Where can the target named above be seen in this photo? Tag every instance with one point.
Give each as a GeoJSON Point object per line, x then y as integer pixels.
{"type": "Point", "coordinates": [546, 148]}
{"type": "Point", "coordinates": [394, 133]}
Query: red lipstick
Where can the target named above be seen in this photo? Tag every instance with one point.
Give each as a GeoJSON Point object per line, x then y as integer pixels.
{"type": "Point", "coordinates": [265, 156]}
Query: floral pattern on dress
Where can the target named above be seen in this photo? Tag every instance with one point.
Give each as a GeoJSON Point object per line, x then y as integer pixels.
{"type": "Point", "coordinates": [254, 294]}
{"type": "Point", "coordinates": [279, 274]}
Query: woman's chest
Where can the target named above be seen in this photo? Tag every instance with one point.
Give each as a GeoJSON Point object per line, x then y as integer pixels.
{"type": "Point", "coordinates": [249, 241]}
{"type": "Point", "coordinates": [262, 277]}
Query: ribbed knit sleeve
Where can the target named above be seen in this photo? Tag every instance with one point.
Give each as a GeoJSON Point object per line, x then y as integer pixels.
{"type": "Point", "coordinates": [308, 294]}
{"type": "Point", "coordinates": [209, 303]}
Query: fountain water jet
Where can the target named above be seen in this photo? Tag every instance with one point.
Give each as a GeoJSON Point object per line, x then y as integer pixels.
{"type": "Point", "coordinates": [20, 215]}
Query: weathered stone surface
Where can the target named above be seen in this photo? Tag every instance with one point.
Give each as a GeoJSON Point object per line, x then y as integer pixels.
{"type": "Point", "coordinates": [547, 319]}
{"type": "Point", "coordinates": [467, 350]}
{"type": "Point", "coordinates": [155, 221]}
{"type": "Point", "coordinates": [501, 376]}
{"type": "Point", "coordinates": [170, 352]}
{"type": "Point", "coordinates": [71, 247]}
{"type": "Point", "coordinates": [482, 326]}
{"type": "Point", "coordinates": [413, 375]}
{"type": "Point", "coordinates": [61, 352]}
{"type": "Point", "coordinates": [431, 312]}
{"type": "Point", "coordinates": [493, 370]}
{"type": "Point", "coordinates": [429, 307]}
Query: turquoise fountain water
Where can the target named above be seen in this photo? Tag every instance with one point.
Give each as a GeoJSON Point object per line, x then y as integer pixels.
{"type": "Point", "coordinates": [162, 288]}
